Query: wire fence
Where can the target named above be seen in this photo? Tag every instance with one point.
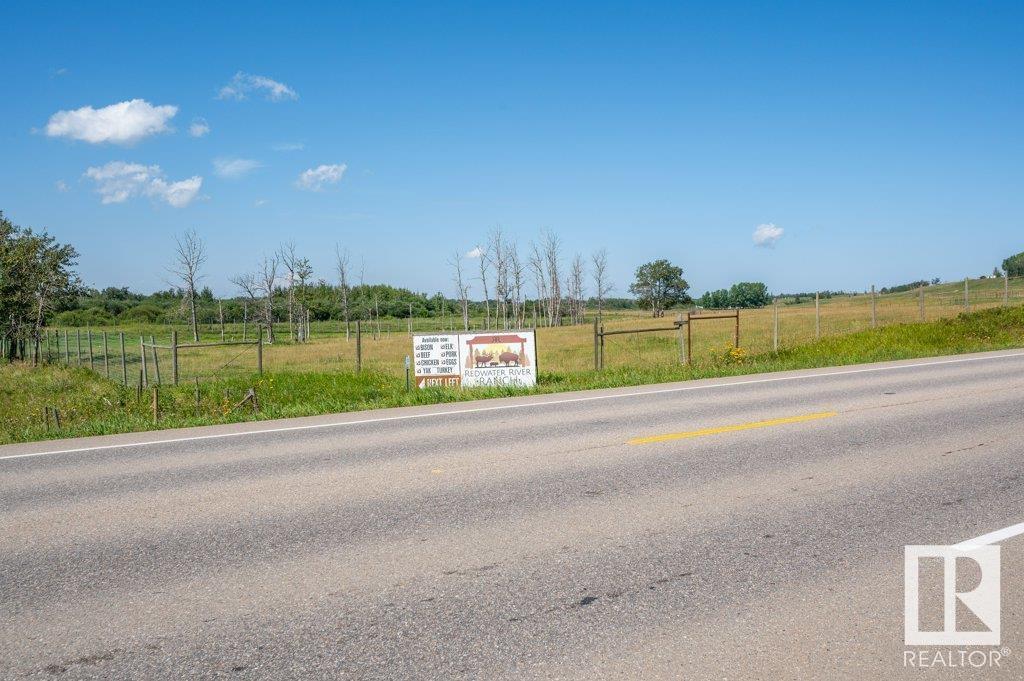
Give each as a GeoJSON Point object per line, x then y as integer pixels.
{"type": "Point", "coordinates": [152, 354]}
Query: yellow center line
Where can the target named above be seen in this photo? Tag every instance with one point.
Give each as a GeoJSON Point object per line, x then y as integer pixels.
{"type": "Point", "coordinates": [730, 429]}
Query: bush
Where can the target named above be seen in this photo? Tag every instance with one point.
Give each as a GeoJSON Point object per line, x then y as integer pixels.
{"type": "Point", "coordinates": [90, 316]}
{"type": "Point", "coordinates": [147, 314]}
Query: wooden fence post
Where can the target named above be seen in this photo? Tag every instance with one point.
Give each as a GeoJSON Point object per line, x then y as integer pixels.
{"type": "Point", "coordinates": [817, 316]}
{"type": "Point", "coordinates": [775, 325]}
{"type": "Point", "coordinates": [737, 328]}
{"type": "Point", "coordinates": [67, 349]}
{"type": "Point", "coordinates": [174, 354]}
{"type": "Point", "coordinates": [1006, 288]}
{"type": "Point", "coordinates": [920, 302]}
{"type": "Point", "coordinates": [689, 340]}
{"type": "Point", "coordinates": [679, 338]}
{"type": "Point", "coordinates": [156, 358]}
{"type": "Point", "coordinates": [220, 311]}
{"type": "Point", "coordinates": [597, 356]}
{"type": "Point", "coordinates": [874, 318]}
{"type": "Point", "coordinates": [359, 346]}
{"type": "Point", "coordinates": [78, 345]}
{"type": "Point", "coordinates": [88, 336]}
{"type": "Point", "coordinates": [967, 296]}
{"type": "Point", "coordinates": [124, 362]}
{"type": "Point", "coordinates": [142, 356]}
{"type": "Point", "coordinates": [106, 357]}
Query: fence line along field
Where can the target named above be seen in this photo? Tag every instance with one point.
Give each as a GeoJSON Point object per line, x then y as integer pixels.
{"type": "Point", "coordinates": [331, 346]}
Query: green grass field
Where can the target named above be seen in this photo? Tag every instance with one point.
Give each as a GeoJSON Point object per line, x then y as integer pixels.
{"type": "Point", "coordinates": [308, 380]}
{"type": "Point", "coordinates": [562, 350]}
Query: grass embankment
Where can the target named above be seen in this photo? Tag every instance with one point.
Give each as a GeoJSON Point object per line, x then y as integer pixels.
{"type": "Point", "coordinates": [91, 405]}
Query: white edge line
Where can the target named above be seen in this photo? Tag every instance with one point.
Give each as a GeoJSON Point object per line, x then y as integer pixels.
{"type": "Point", "coordinates": [545, 403]}
{"type": "Point", "coordinates": [990, 538]}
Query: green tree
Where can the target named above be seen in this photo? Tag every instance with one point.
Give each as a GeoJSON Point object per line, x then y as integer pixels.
{"type": "Point", "coordinates": [715, 300]}
{"type": "Point", "coordinates": [36, 273]}
{"type": "Point", "coordinates": [1014, 265]}
{"type": "Point", "coordinates": [659, 285]}
{"type": "Point", "coordinates": [748, 294]}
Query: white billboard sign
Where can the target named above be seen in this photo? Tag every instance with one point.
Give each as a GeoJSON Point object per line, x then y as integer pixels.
{"type": "Point", "coordinates": [490, 358]}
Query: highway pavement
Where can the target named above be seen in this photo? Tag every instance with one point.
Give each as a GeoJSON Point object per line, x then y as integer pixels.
{"type": "Point", "coordinates": [749, 527]}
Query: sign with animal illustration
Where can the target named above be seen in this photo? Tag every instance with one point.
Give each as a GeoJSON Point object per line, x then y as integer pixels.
{"type": "Point", "coordinates": [492, 358]}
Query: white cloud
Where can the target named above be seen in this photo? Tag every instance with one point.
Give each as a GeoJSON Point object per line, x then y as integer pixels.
{"type": "Point", "coordinates": [314, 179]}
{"type": "Point", "coordinates": [199, 127]}
{"type": "Point", "coordinates": [232, 168]}
{"type": "Point", "coordinates": [475, 253]}
{"type": "Point", "coordinates": [117, 181]}
{"type": "Point", "coordinates": [261, 202]}
{"type": "Point", "coordinates": [121, 123]}
{"type": "Point", "coordinates": [289, 146]}
{"type": "Point", "coordinates": [62, 186]}
{"type": "Point", "coordinates": [767, 235]}
{"type": "Point", "coordinates": [243, 84]}
{"type": "Point", "coordinates": [57, 73]}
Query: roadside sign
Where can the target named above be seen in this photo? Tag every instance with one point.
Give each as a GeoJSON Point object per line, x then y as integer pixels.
{"type": "Point", "coordinates": [491, 358]}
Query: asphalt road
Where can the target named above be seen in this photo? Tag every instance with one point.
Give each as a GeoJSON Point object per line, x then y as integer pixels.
{"type": "Point", "coordinates": [558, 536]}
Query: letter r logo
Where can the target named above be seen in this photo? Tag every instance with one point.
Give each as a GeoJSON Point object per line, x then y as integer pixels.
{"type": "Point", "coordinates": [982, 600]}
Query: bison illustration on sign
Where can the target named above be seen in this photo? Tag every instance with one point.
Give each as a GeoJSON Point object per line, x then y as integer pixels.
{"type": "Point", "coordinates": [497, 350]}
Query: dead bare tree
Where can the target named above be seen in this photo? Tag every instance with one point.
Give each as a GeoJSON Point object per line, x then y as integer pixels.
{"type": "Point", "coordinates": [574, 289]}
{"type": "Point", "coordinates": [189, 257]}
{"type": "Point", "coordinates": [540, 282]}
{"type": "Point", "coordinates": [602, 286]}
{"type": "Point", "coordinates": [289, 259]}
{"type": "Point", "coordinates": [498, 250]}
{"type": "Point", "coordinates": [461, 287]}
{"type": "Point", "coordinates": [516, 270]}
{"type": "Point", "coordinates": [342, 264]}
{"type": "Point", "coordinates": [267, 279]}
{"type": "Point", "coordinates": [248, 284]}
{"type": "Point", "coordinates": [481, 253]}
{"type": "Point", "coordinates": [303, 273]}
{"type": "Point", "coordinates": [552, 246]}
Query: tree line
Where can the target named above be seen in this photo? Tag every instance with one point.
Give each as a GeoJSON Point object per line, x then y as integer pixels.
{"type": "Point", "coordinates": [505, 281]}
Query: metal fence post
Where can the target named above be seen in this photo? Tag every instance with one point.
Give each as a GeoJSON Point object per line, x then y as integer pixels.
{"type": "Point", "coordinates": [967, 295]}
{"type": "Point", "coordinates": [106, 357]}
{"type": "Point", "coordinates": [920, 301]}
{"type": "Point", "coordinates": [88, 337]}
{"type": "Point", "coordinates": [597, 358]}
{"type": "Point", "coordinates": [67, 349]}
{"type": "Point", "coordinates": [78, 345]}
{"type": "Point", "coordinates": [1006, 288]}
{"type": "Point", "coordinates": [174, 356]}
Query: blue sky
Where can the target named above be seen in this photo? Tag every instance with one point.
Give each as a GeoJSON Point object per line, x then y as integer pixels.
{"type": "Point", "coordinates": [884, 141]}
